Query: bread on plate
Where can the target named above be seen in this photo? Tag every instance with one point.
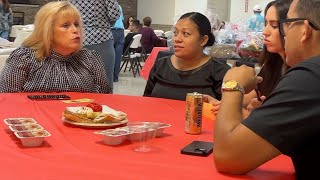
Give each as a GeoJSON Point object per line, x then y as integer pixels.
{"type": "Point", "coordinates": [93, 114]}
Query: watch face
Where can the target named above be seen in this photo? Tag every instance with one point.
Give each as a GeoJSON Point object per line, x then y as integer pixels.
{"type": "Point", "coordinates": [231, 84]}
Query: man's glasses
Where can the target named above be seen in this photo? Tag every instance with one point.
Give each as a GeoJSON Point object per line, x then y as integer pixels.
{"type": "Point", "coordinates": [284, 24]}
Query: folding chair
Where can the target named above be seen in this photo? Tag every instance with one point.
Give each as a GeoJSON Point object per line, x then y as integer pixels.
{"type": "Point", "coordinates": [132, 56]}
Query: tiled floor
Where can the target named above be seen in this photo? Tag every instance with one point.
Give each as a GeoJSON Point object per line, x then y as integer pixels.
{"type": "Point", "coordinates": [129, 85]}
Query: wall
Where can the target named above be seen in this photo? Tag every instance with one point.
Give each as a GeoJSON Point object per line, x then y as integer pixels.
{"type": "Point", "coordinates": [161, 12]}
{"type": "Point", "coordinates": [237, 9]}
{"type": "Point", "coordinates": [219, 7]}
{"type": "Point", "coordinates": [184, 6]}
{"type": "Point", "coordinates": [129, 8]}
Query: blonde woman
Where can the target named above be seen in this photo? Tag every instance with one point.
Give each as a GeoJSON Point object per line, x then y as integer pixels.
{"type": "Point", "coordinates": [52, 59]}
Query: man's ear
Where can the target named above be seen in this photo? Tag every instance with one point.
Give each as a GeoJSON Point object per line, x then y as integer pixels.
{"type": "Point", "coordinates": [307, 31]}
{"type": "Point", "coordinates": [204, 40]}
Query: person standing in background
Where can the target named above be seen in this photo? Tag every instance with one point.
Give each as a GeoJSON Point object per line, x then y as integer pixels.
{"type": "Point", "coordinates": [118, 35]}
{"type": "Point", "coordinates": [6, 19]}
{"type": "Point", "coordinates": [256, 22]}
{"type": "Point", "coordinates": [98, 19]}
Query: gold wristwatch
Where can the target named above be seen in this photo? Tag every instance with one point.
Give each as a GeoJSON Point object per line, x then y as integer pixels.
{"type": "Point", "coordinates": [232, 85]}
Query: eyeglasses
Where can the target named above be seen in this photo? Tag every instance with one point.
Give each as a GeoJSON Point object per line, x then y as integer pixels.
{"type": "Point", "coordinates": [285, 23]}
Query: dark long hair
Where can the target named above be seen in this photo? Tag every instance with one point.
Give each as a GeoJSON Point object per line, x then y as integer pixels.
{"type": "Point", "coordinates": [6, 6]}
{"type": "Point", "coordinates": [203, 23]}
{"type": "Point", "coordinates": [274, 65]}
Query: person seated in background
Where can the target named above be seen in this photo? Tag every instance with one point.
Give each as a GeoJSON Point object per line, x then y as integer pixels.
{"type": "Point", "coordinates": [287, 123]}
{"type": "Point", "coordinates": [222, 25]}
{"type": "Point", "coordinates": [149, 39]}
{"type": "Point", "coordinates": [129, 19]}
{"type": "Point", "coordinates": [134, 29]}
{"type": "Point", "coordinates": [51, 59]}
{"type": "Point", "coordinates": [189, 69]}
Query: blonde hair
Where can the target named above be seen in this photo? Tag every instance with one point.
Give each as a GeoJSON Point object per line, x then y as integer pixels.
{"type": "Point", "coordinates": [42, 37]}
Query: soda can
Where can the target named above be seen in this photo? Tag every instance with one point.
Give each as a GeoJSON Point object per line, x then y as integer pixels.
{"type": "Point", "coordinates": [194, 104]}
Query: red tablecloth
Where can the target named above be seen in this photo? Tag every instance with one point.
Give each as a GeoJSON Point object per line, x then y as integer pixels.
{"type": "Point", "coordinates": [75, 153]}
{"type": "Point", "coordinates": [150, 61]}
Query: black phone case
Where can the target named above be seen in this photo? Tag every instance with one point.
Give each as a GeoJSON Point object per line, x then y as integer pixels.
{"type": "Point", "coordinates": [49, 97]}
{"type": "Point", "coordinates": [198, 148]}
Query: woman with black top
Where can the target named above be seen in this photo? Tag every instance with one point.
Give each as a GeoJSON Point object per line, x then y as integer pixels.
{"type": "Point", "coordinates": [189, 69]}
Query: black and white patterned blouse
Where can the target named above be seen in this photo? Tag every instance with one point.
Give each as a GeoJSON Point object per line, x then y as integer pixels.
{"type": "Point", "coordinates": [80, 72]}
{"type": "Point", "coordinates": [98, 17]}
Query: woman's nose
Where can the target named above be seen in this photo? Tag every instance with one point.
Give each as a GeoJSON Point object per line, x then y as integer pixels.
{"type": "Point", "coordinates": [177, 37]}
{"type": "Point", "coordinates": [265, 31]}
{"type": "Point", "coordinates": [75, 29]}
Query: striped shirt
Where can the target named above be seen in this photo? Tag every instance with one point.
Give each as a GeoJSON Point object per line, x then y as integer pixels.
{"type": "Point", "coordinates": [98, 18]}
{"type": "Point", "coordinates": [80, 72]}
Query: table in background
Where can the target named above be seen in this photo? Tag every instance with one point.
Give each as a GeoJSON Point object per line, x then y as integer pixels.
{"type": "Point", "coordinates": [75, 153]}
{"type": "Point", "coordinates": [150, 61]}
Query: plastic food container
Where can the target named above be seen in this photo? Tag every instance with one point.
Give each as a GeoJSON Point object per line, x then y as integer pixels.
{"type": "Point", "coordinates": [134, 132]}
{"type": "Point", "coordinates": [157, 125]}
{"type": "Point", "coordinates": [19, 121]}
{"type": "Point", "coordinates": [32, 138]}
{"type": "Point", "coordinates": [141, 133]}
{"type": "Point", "coordinates": [25, 127]}
{"type": "Point", "coordinates": [113, 136]}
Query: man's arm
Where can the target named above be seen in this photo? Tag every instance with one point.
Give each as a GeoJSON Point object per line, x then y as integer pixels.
{"type": "Point", "coordinates": [237, 149]}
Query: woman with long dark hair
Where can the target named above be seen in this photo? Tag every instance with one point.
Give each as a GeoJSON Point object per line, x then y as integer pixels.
{"type": "Point", "coordinates": [273, 55]}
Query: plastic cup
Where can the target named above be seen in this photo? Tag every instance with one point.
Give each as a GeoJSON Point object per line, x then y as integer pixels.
{"type": "Point", "coordinates": [142, 137]}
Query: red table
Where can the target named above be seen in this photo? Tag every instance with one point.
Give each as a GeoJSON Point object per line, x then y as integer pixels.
{"type": "Point", "coordinates": [75, 153]}
{"type": "Point", "coordinates": [150, 61]}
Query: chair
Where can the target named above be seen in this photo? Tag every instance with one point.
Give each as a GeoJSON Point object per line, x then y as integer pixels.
{"type": "Point", "coordinates": [15, 30]}
{"type": "Point", "coordinates": [158, 32]}
{"type": "Point", "coordinates": [21, 36]}
{"type": "Point", "coordinates": [3, 59]}
{"type": "Point", "coordinates": [167, 34]}
{"type": "Point", "coordinates": [133, 56]}
{"type": "Point", "coordinates": [126, 31]}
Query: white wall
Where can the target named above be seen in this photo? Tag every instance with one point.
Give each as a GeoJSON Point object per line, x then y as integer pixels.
{"type": "Point", "coordinates": [161, 12]}
{"type": "Point", "coordinates": [220, 7]}
{"type": "Point", "coordinates": [237, 9]}
{"type": "Point", "coordinates": [168, 11]}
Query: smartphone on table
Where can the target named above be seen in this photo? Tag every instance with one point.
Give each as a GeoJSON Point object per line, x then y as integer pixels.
{"type": "Point", "coordinates": [198, 148]}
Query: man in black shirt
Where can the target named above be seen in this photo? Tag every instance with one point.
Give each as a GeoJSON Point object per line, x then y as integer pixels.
{"type": "Point", "coordinates": [288, 122]}
{"type": "Point", "coordinates": [134, 28]}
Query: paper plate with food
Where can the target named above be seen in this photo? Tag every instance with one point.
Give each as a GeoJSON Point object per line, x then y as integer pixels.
{"type": "Point", "coordinates": [94, 115]}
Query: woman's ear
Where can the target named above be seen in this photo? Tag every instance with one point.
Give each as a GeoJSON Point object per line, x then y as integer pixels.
{"type": "Point", "coordinates": [204, 40]}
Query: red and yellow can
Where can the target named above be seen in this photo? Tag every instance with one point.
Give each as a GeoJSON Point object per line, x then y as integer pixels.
{"type": "Point", "coordinates": [194, 104]}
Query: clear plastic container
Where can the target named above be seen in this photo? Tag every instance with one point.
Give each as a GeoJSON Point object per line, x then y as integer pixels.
{"type": "Point", "coordinates": [19, 121]}
{"type": "Point", "coordinates": [25, 127]}
{"type": "Point", "coordinates": [32, 138]}
{"type": "Point", "coordinates": [113, 136]}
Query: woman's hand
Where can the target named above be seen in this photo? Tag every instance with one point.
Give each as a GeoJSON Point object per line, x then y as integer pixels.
{"type": "Point", "coordinates": [255, 103]}
{"type": "Point", "coordinates": [214, 102]}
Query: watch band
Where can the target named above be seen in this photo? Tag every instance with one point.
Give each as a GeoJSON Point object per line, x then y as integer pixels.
{"type": "Point", "coordinates": [232, 85]}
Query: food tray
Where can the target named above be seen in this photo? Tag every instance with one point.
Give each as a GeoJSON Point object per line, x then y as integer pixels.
{"type": "Point", "coordinates": [131, 132]}
{"type": "Point", "coordinates": [32, 138]}
{"type": "Point", "coordinates": [19, 121]}
{"type": "Point", "coordinates": [27, 130]}
{"type": "Point", "coordinates": [25, 127]}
